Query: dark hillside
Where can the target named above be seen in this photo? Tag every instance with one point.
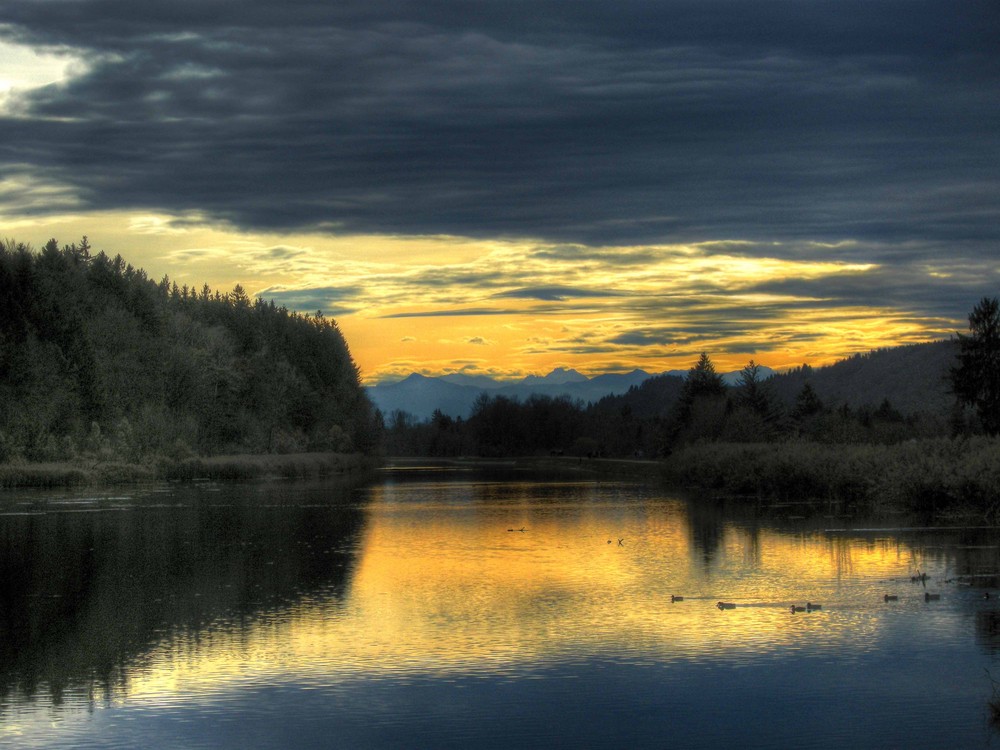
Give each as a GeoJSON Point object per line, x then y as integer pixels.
{"type": "Point", "coordinates": [893, 395]}
{"type": "Point", "coordinates": [913, 378]}
{"type": "Point", "coordinates": [653, 398]}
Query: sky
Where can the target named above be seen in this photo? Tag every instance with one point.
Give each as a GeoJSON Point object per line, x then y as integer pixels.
{"type": "Point", "coordinates": [504, 187]}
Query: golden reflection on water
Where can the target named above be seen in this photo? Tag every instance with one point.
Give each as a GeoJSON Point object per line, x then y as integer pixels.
{"type": "Point", "coordinates": [448, 583]}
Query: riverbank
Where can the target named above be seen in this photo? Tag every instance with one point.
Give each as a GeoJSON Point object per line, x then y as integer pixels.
{"type": "Point", "coordinates": [931, 476]}
{"type": "Point", "coordinates": [959, 476]}
{"type": "Point", "coordinates": [233, 468]}
{"type": "Point", "coordinates": [618, 468]}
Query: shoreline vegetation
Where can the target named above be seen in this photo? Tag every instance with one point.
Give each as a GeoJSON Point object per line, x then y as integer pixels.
{"type": "Point", "coordinates": [953, 475]}
{"type": "Point", "coordinates": [232, 468]}
{"type": "Point", "coordinates": [938, 475]}
{"type": "Point", "coordinates": [957, 476]}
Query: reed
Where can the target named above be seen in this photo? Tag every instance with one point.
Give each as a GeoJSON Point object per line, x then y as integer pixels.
{"type": "Point", "coordinates": [920, 475]}
{"type": "Point", "coordinates": [236, 468]}
{"type": "Point", "coordinates": [44, 475]}
{"type": "Point", "coordinates": [241, 468]}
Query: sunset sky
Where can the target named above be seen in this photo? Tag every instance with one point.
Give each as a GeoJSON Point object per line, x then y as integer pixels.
{"type": "Point", "coordinates": [504, 187]}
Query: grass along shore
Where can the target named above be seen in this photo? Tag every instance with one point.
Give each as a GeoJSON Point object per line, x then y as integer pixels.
{"type": "Point", "coordinates": [942, 474]}
{"type": "Point", "coordinates": [214, 468]}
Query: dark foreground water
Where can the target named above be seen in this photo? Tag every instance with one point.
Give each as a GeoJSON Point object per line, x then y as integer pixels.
{"type": "Point", "coordinates": [451, 610]}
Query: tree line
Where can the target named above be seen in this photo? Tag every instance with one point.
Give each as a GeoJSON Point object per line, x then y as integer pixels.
{"type": "Point", "coordinates": [98, 359]}
{"type": "Point", "coordinates": [668, 413]}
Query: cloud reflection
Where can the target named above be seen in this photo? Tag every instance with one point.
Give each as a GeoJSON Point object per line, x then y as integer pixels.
{"type": "Point", "coordinates": [447, 587]}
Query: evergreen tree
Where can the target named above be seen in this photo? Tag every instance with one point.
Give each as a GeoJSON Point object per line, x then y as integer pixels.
{"type": "Point", "coordinates": [807, 403]}
{"type": "Point", "coordinates": [753, 393]}
{"type": "Point", "coordinates": [976, 380]}
{"type": "Point", "coordinates": [703, 380]}
{"type": "Point", "coordinates": [702, 409]}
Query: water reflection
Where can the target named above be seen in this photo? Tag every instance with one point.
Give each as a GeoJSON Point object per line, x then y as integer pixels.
{"type": "Point", "coordinates": [193, 600]}
{"type": "Point", "coordinates": [85, 597]}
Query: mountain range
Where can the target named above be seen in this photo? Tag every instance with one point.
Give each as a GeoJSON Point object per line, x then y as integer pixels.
{"type": "Point", "coordinates": [912, 378]}
{"type": "Point", "coordinates": [455, 394]}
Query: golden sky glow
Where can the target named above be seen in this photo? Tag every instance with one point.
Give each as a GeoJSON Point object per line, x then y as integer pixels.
{"type": "Point", "coordinates": [463, 195]}
{"type": "Point", "coordinates": [504, 308]}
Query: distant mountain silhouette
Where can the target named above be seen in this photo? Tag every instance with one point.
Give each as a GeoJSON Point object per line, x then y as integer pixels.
{"type": "Point", "coordinates": [455, 394]}
{"type": "Point", "coordinates": [477, 381]}
{"type": "Point", "coordinates": [912, 378]}
{"type": "Point", "coordinates": [558, 376]}
{"type": "Point", "coordinates": [420, 396]}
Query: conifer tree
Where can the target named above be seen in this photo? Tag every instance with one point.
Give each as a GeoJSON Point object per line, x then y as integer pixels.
{"type": "Point", "coordinates": [976, 380]}
{"type": "Point", "coordinates": [703, 380]}
{"type": "Point", "coordinates": [807, 403]}
{"type": "Point", "coordinates": [753, 393]}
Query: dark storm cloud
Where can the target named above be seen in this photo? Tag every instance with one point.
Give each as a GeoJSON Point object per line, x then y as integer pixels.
{"type": "Point", "coordinates": [554, 293]}
{"type": "Point", "coordinates": [948, 296]}
{"type": "Point", "coordinates": [607, 256]}
{"type": "Point", "coordinates": [456, 313]}
{"type": "Point", "coordinates": [331, 300]}
{"type": "Point", "coordinates": [452, 277]}
{"type": "Point", "coordinates": [645, 338]}
{"type": "Point", "coordinates": [595, 122]}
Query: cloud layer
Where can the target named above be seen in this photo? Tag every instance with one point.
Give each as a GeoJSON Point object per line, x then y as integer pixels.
{"type": "Point", "coordinates": [646, 178]}
{"type": "Point", "coordinates": [601, 122]}
{"type": "Point", "coordinates": [680, 301]}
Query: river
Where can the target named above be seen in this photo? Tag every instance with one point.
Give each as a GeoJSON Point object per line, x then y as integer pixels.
{"type": "Point", "coordinates": [445, 607]}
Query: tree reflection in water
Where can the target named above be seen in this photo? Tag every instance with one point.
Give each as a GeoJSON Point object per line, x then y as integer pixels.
{"type": "Point", "coordinates": [407, 610]}
{"type": "Point", "coordinates": [88, 585]}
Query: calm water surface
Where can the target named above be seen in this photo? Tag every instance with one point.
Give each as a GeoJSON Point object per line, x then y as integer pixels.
{"type": "Point", "coordinates": [448, 609]}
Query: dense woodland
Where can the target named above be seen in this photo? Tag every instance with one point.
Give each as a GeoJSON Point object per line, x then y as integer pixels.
{"type": "Point", "coordinates": [943, 389]}
{"type": "Point", "coordinates": [97, 360]}
{"type": "Point", "coordinates": [666, 413]}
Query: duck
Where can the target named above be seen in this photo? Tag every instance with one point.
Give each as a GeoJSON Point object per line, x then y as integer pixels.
{"type": "Point", "coordinates": [797, 609]}
{"type": "Point", "coordinates": [726, 605]}
{"type": "Point", "coordinates": [890, 598]}
{"type": "Point", "coordinates": [810, 605]}
{"type": "Point", "coordinates": [676, 598]}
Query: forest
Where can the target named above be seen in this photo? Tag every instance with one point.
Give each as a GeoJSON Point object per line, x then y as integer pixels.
{"type": "Point", "coordinates": [99, 361]}
{"type": "Point", "coordinates": [667, 413]}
